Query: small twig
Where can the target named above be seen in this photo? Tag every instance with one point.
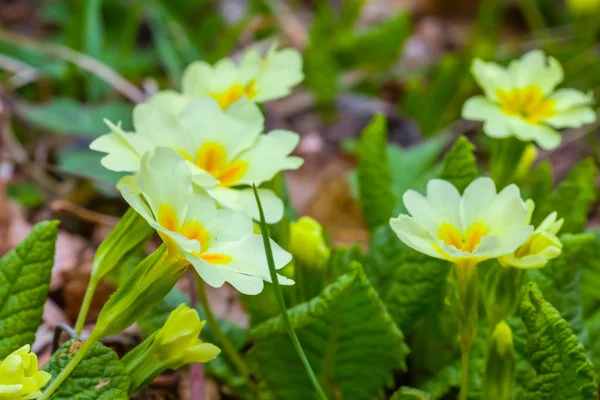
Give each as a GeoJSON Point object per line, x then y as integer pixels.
{"type": "Point", "coordinates": [83, 61]}
{"type": "Point", "coordinates": [83, 213]}
{"type": "Point", "coordinates": [61, 327]}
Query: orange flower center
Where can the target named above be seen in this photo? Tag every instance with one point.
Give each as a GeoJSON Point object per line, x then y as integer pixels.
{"type": "Point", "coordinates": [234, 93]}
{"type": "Point", "coordinates": [468, 242]}
{"type": "Point", "coordinates": [212, 157]}
{"type": "Point", "coordinates": [528, 103]}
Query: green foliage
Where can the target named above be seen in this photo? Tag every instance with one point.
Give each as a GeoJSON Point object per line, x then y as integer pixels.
{"type": "Point", "coordinates": [559, 280]}
{"type": "Point", "coordinates": [374, 181]}
{"type": "Point", "coordinates": [100, 375]}
{"type": "Point", "coordinates": [27, 193]}
{"type": "Point", "coordinates": [340, 329]}
{"type": "Point", "coordinates": [572, 198]}
{"type": "Point", "coordinates": [460, 165]}
{"type": "Point", "coordinates": [590, 278]}
{"type": "Point", "coordinates": [563, 369]}
{"type": "Point", "coordinates": [382, 42]}
{"type": "Point", "coordinates": [65, 116]}
{"type": "Point", "coordinates": [24, 281]}
{"type": "Point", "coordinates": [85, 163]}
{"type": "Point", "coordinates": [406, 393]}
{"type": "Point", "coordinates": [409, 282]}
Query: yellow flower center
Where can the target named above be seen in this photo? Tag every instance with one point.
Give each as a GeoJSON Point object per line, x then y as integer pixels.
{"type": "Point", "coordinates": [528, 103]}
{"type": "Point", "coordinates": [212, 158]}
{"type": "Point", "coordinates": [167, 218]}
{"type": "Point", "coordinates": [452, 236]}
{"type": "Point", "coordinates": [234, 92]}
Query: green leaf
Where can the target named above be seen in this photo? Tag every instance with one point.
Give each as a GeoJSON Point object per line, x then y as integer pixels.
{"type": "Point", "coordinates": [27, 193]}
{"type": "Point", "coordinates": [100, 375]}
{"type": "Point", "coordinates": [460, 165]}
{"type": "Point", "coordinates": [382, 42]}
{"type": "Point", "coordinates": [24, 281]}
{"type": "Point", "coordinates": [592, 326]}
{"type": "Point", "coordinates": [86, 164]}
{"type": "Point", "coordinates": [563, 369]}
{"type": "Point", "coordinates": [68, 117]}
{"type": "Point", "coordinates": [572, 199]}
{"type": "Point", "coordinates": [590, 278]}
{"type": "Point", "coordinates": [341, 329]}
{"type": "Point", "coordinates": [409, 282]}
{"type": "Point", "coordinates": [374, 181]}
{"type": "Point", "coordinates": [559, 280]}
{"type": "Point", "coordinates": [406, 393]}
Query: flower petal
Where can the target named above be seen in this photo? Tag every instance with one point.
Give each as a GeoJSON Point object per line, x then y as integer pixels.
{"type": "Point", "coordinates": [414, 236]}
{"type": "Point", "coordinates": [236, 130]}
{"type": "Point", "coordinates": [270, 155]}
{"type": "Point", "coordinates": [535, 68]}
{"type": "Point", "coordinates": [546, 137]}
{"type": "Point", "coordinates": [490, 77]}
{"type": "Point", "coordinates": [476, 201]}
{"type": "Point", "coordinates": [478, 108]}
{"type": "Point", "coordinates": [243, 200]}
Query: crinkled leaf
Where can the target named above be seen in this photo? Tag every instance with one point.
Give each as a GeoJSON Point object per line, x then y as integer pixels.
{"type": "Point", "coordinates": [349, 338]}
{"type": "Point", "coordinates": [563, 369]}
{"type": "Point", "coordinates": [24, 281]}
{"type": "Point", "coordinates": [69, 117]}
{"type": "Point", "coordinates": [460, 165]}
{"type": "Point", "coordinates": [592, 326]}
{"type": "Point", "coordinates": [572, 199]}
{"type": "Point", "coordinates": [407, 393]}
{"type": "Point", "coordinates": [374, 181]}
{"type": "Point", "coordinates": [409, 282]}
{"type": "Point", "coordinates": [99, 376]}
{"type": "Point", "coordinates": [559, 280]}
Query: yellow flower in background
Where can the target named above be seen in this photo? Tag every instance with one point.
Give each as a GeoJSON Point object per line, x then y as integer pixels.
{"type": "Point", "coordinates": [219, 243]}
{"type": "Point", "coordinates": [479, 225]}
{"type": "Point", "coordinates": [224, 151]}
{"type": "Point", "coordinates": [307, 243]}
{"type": "Point", "coordinates": [178, 339]}
{"type": "Point", "coordinates": [522, 100]}
{"type": "Point", "coordinates": [256, 78]}
{"type": "Point", "coordinates": [543, 245]}
{"type": "Point", "coordinates": [20, 377]}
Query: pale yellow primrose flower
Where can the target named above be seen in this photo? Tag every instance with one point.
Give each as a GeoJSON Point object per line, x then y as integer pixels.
{"type": "Point", "coordinates": [219, 243]}
{"type": "Point", "coordinates": [479, 225]}
{"type": "Point", "coordinates": [543, 245]}
{"type": "Point", "coordinates": [307, 243]}
{"type": "Point", "coordinates": [178, 339]}
{"type": "Point", "coordinates": [20, 378]}
{"type": "Point", "coordinates": [256, 78]}
{"type": "Point", "coordinates": [224, 151]}
{"type": "Point", "coordinates": [521, 100]}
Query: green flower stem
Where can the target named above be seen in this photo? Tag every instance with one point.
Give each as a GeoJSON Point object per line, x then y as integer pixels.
{"type": "Point", "coordinates": [281, 301]}
{"type": "Point", "coordinates": [85, 305]}
{"type": "Point", "coordinates": [466, 292]}
{"type": "Point", "coordinates": [506, 154]}
{"type": "Point", "coordinates": [64, 374]}
{"type": "Point", "coordinates": [232, 353]}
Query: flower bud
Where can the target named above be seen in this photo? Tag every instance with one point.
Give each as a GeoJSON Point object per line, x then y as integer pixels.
{"type": "Point", "coordinates": [542, 246]}
{"type": "Point", "coordinates": [19, 376]}
{"type": "Point", "coordinates": [172, 346]}
{"type": "Point", "coordinates": [307, 244]}
{"type": "Point", "coordinates": [524, 166]}
{"type": "Point", "coordinates": [500, 364]}
{"type": "Point", "coordinates": [501, 290]}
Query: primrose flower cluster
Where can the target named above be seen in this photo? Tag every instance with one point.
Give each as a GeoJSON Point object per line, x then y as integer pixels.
{"type": "Point", "coordinates": [194, 157]}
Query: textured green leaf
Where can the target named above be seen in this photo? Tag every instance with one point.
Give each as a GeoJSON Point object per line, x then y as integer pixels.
{"type": "Point", "coordinates": [349, 338]}
{"type": "Point", "coordinates": [460, 165]}
{"type": "Point", "coordinates": [409, 282]}
{"type": "Point", "coordinates": [68, 117]}
{"type": "Point", "coordinates": [99, 376]}
{"type": "Point", "coordinates": [592, 326]}
{"type": "Point", "coordinates": [559, 280]}
{"type": "Point", "coordinates": [563, 369]}
{"type": "Point", "coordinates": [406, 393]}
{"type": "Point", "coordinates": [374, 181]}
{"type": "Point", "coordinates": [382, 42]}
{"type": "Point", "coordinates": [24, 281]}
{"type": "Point", "coordinates": [572, 199]}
